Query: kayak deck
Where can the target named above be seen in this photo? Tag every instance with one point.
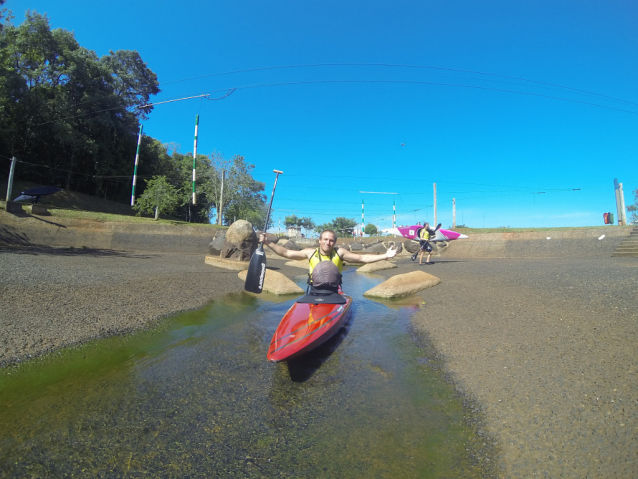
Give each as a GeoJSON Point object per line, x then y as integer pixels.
{"type": "Point", "coordinates": [305, 326]}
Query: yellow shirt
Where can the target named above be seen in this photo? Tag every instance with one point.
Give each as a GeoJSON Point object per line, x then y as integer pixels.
{"type": "Point", "coordinates": [318, 257]}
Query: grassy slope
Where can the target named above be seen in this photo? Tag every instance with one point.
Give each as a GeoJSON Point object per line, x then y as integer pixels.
{"type": "Point", "coordinates": [70, 204]}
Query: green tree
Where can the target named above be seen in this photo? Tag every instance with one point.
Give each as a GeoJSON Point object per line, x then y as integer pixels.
{"type": "Point", "coordinates": [340, 225]}
{"type": "Point", "coordinates": [181, 174]}
{"type": "Point", "coordinates": [158, 195]}
{"type": "Point", "coordinates": [370, 229]}
{"type": "Point", "coordinates": [307, 223]}
{"type": "Point", "coordinates": [72, 114]}
{"type": "Point", "coordinates": [291, 220]}
{"type": "Point", "coordinates": [323, 227]}
{"type": "Point", "coordinates": [243, 196]}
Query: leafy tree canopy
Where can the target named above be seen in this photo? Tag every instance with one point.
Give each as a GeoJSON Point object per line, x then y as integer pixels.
{"type": "Point", "coordinates": [159, 196]}
{"type": "Point", "coordinates": [294, 220]}
{"type": "Point", "coordinates": [72, 119]}
{"type": "Point", "coordinates": [342, 226]}
{"type": "Point", "coordinates": [72, 114]}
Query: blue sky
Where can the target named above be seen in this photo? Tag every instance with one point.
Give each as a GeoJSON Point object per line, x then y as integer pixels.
{"type": "Point", "coordinates": [524, 112]}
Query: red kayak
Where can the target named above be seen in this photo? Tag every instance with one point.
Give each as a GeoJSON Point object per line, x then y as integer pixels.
{"type": "Point", "coordinates": [310, 322]}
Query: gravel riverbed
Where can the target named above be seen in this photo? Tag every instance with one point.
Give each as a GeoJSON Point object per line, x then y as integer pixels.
{"type": "Point", "coordinates": [545, 347]}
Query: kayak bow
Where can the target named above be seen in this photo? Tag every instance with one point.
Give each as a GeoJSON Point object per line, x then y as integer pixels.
{"type": "Point", "coordinates": [306, 326]}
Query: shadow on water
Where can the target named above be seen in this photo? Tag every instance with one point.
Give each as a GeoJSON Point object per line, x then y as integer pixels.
{"type": "Point", "coordinates": [196, 397]}
{"type": "Point", "coordinates": [303, 367]}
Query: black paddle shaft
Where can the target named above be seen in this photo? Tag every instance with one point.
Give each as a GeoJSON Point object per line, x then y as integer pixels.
{"type": "Point", "coordinates": [257, 267]}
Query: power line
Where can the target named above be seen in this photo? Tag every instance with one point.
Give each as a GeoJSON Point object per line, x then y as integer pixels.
{"type": "Point", "coordinates": [410, 82]}
{"type": "Point", "coordinates": [395, 65]}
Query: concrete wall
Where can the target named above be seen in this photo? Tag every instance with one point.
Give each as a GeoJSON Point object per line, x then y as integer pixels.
{"type": "Point", "coordinates": [572, 243]}
{"type": "Point", "coordinates": [162, 238]}
{"type": "Point", "coordinates": [54, 231]}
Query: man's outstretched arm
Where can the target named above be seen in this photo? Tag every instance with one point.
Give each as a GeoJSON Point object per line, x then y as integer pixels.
{"type": "Point", "coordinates": [366, 258]}
{"type": "Point", "coordinates": [281, 251]}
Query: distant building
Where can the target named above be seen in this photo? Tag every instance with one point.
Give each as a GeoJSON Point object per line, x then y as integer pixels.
{"type": "Point", "coordinates": [294, 232]}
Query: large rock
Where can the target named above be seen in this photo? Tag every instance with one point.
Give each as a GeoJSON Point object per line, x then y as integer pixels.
{"type": "Point", "coordinates": [403, 285]}
{"type": "Point", "coordinates": [272, 238]}
{"type": "Point", "coordinates": [414, 246]}
{"type": "Point", "coordinates": [299, 263]}
{"type": "Point", "coordinates": [240, 242]}
{"type": "Point", "coordinates": [342, 245]}
{"type": "Point", "coordinates": [276, 283]}
{"type": "Point", "coordinates": [356, 247]}
{"type": "Point", "coordinates": [376, 248]}
{"type": "Point", "coordinates": [217, 245]}
{"type": "Point", "coordinates": [411, 246]}
{"type": "Point", "coordinates": [398, 245]}
{"type": "Point", "coordinates": [378, 266]}
{"type": "Point", "coordinates": [291, 245]}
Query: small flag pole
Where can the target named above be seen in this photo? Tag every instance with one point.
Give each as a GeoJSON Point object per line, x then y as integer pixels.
{"type": "Point", "coordinates": [195, 158]}
{"type": "Point", "coordinates": [137, 160]}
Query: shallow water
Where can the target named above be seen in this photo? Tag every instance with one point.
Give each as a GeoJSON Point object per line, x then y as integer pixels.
{"type": "Point", "coordinates": [196, 397]}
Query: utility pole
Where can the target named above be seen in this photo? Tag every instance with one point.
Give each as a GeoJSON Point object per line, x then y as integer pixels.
{"type": "Point", "coordinates": [620, 203]}
{"type": "Point", "coordinates": [195, 158]}
{"type": "Point", "coordinates": [453, 213]}
{"type": "Point", "coordinates": [435, 223]}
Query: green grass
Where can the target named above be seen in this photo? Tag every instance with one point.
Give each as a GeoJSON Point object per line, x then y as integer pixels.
{"type": "Point", "coordinates": [74, 205]}
{"type": "Point", "coordinates": [102, 217]}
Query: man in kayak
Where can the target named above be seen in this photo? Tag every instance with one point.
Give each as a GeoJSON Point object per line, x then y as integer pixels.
{"type": "Point", "coordinates": [326, 253]}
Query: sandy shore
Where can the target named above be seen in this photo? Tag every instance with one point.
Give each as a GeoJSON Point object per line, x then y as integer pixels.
{"type": "Point", "coordinates": [547, 346]}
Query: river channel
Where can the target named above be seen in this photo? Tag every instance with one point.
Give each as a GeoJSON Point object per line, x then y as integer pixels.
{"type": "Point", "coordinates": [195, 397]}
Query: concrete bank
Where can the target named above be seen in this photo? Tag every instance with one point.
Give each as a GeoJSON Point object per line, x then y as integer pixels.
{"type": "Point", "coordinates": [558, 243]}
{"type": "Point", "coordinates": [25, 230]}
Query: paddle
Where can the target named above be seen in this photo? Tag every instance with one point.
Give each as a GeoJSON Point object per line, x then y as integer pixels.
{"type": "Point", "coordinates": [257, 267]}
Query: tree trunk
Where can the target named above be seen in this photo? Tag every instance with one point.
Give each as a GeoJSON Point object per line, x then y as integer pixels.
{"type": "Point", "coordinates": [156, 213]}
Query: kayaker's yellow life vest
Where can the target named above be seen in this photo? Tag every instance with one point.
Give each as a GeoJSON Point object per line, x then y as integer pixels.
{"type": "Point", "coordinates": [317, 257]}
{"type": "Point", "coordinates": [425, 234]}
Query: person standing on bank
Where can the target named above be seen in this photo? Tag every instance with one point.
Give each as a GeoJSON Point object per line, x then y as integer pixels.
{"type": "Point", "coordinates": [327, 254]}
{"type": "Point", "coordinates": [425, 234]}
